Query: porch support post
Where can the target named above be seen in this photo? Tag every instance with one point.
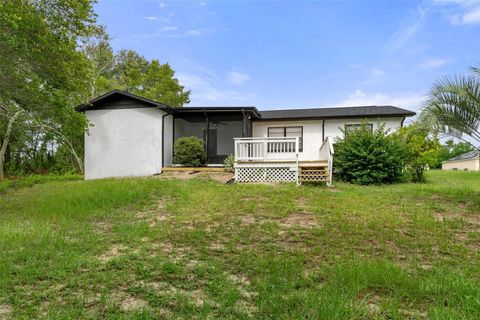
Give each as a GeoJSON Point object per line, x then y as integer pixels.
{"type": "Point", "coordinates": [244, 123]}
{"type": "Point", "coordinates": [207, 127]}
{"type": "Point", "coordinates": [297, 145]}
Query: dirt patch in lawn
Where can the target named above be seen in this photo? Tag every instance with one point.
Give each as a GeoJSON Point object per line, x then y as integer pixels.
{"type": "Point", "coordinates": [5, 310]}
{"type": "Point", "coordinates": [217, 247]}
{"type": "Point", "coordinates": [247, 220]}
{"type": "Point", "coordinates": [155, 215]}
{"type": "Point", "coordinates": [126, 301]}
{"type": "Point", "coordinates": [301, 202]}
{"type": "Point", "coordinates": [221, 177]}
{"type": "Point", "coordinates": [468, 234]}
{"type": "Point", "coordinates": [243, 284]}
{"type": "Point", "coordinates": [102, 226]}
{"type": "Point", "coordinates": [196, 296]}
{"type": "Point", "coordinates": [472, 218]}
{"type": "Point", "coordinates": [246, 307]}
{"type": "Point", "coordinates": [305, 220]}
{"type": "Point", "coordinates": [133, 303]}
{"type": "Point", "coordinates": [115, 251]}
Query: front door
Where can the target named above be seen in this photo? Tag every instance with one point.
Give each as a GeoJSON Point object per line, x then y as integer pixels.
{"type": "Point", "coordinates": [212, 156]}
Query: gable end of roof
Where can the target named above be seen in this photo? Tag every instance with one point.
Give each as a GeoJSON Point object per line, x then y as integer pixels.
{"type": "Point", "coordinates": [100, 102]}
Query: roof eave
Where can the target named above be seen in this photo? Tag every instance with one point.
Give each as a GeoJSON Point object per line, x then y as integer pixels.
{"type": "Point", "coordinates": [338, 117]}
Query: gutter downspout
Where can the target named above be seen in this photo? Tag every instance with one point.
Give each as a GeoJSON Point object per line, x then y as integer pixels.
{"type": "Point", "coordinates": [401, 123]}
{"type": "Point", "coordinates": [206, 134]}
{"type": "Point", "coordinates": [323, 130]}
{"type": "Point", "coordinates": [163, 141]}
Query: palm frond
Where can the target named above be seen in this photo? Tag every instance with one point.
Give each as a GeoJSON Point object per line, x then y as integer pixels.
{"type": "Point", "coordinates": [453, 106]}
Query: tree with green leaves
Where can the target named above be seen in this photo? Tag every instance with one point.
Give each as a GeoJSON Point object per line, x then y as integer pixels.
{"type": "Point", "coordinates": [53, 57]}
{"type": "Point", "coordinates": [39, 60]}
{"type": "Point", "coordinates": [101, 58]}
{"type": "Point", "coordinates": [453, 107]}
{"type": "Point", "coordinates": [421, 150]}
{"type": "Point", "coordinates": [151, 79]}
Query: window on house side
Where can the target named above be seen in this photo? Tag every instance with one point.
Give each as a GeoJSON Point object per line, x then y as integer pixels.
{"type": "Point", "coordinates": [356, 126]}
{"type": "Point", "coordinates": [287, 132]}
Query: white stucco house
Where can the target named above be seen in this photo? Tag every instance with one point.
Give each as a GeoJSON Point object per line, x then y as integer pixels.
{"type": "Point", "coordinates": [134, 136]}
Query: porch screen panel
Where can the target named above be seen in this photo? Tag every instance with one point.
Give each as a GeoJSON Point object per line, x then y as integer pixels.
{"type": "Point", "coordinates": [227, 127]}
{"type": "Point", "coordinates": [189, 126]}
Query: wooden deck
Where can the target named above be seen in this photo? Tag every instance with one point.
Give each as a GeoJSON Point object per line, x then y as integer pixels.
{"type": "Point", "coordinates": [266, 159]}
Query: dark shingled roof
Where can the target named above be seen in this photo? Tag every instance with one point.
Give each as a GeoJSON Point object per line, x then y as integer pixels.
{"type": "Point", "coordinates": [340, 112]}
{"type": "Point", "coordinates": [315, 113]}
{"type": "Point", "coordinates": [466, 156]}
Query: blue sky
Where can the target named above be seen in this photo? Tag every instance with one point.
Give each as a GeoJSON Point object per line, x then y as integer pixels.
{"type": "Point", "coordinates": [304, 53]}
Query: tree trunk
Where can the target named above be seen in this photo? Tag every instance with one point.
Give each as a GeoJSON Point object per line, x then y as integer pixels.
{"type": "Point", "coordinates": [78, 160]}
{"type": "Point", "coordinates": [60, 136]}
{"type": "Point", "coordinates": [6, 140]}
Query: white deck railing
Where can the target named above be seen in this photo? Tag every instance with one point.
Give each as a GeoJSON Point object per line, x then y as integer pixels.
{"type": "Point", "coordinates": [326, 152]}
{"type": "Point", "coordinates": [266, 149]}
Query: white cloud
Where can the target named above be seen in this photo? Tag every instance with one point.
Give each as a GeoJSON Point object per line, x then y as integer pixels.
{"type": "Point", "coordinates": [471, 15]}
{"type": "Point", "coordinates": [151, 18]}
{"type": "Point", "coordinates": [207, 87]}
{"type": "Point", "coordinates": [237, 78]}
{"type": "Point", "coordinates": [176, 32]}
{"type": "Point", "coordinates": [461, 12]}
{"type": "Point", "coordinates": [204, 90]}
{"type": "Point", "coordinates": [432, 63]}
{"type": "Point", "coordinates": [161, 5]}
{"type": "Point", "coordinates": [377, 73]}
{"type": "Point", "coordinates": [408, 30]}
{"type": "Point", "coordinates": [411, 101]}
{"type": "Point", "coordinates": [193, 33]}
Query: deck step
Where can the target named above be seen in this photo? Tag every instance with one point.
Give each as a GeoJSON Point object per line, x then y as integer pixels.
{"type": "Point", "coordinates": [317, 179]}
{"type": "Point", "coordinates": [313, 172]}
{"type": "Point", "coordinates": [313, 161]}
{"type": "Point", "coordinates": [313, 175]}
{"type": "Point", "coordinates": [313, 165]}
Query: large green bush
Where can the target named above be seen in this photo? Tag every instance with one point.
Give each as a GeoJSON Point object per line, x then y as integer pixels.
{"type": "Point", "coordinates": [369, 157]}
{"type": "Point", "coordinates": [189, 151]}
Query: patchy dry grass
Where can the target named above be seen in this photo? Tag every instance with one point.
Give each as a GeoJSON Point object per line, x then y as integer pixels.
{"type": "Point", "coordinates": [194, 248]}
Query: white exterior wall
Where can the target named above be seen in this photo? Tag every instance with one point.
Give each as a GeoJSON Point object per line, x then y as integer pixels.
{"type": "Point", "coordinates": [312, 131]}
{"type": "Point", "coordinates": [470, 165]}
{"type": "Point", "coordinates": [123, 142]}
{"type": "Point", "coordinates": [168, 141]}
{"type": "Point", "coordinates": [312, 135]}
{"type": "Point", "coordinates": [332, 127]}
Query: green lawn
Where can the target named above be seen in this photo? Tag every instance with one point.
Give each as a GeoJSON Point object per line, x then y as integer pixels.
{"type": "Point", "coordinates": [151, 248]}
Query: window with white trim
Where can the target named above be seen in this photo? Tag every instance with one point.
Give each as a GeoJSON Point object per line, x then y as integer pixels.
{"type": "Point", "coordinates": [287, 132]}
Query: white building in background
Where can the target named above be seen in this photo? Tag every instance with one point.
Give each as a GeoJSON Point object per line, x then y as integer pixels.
{"type": "Point", "coordinates": [469, 161]}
